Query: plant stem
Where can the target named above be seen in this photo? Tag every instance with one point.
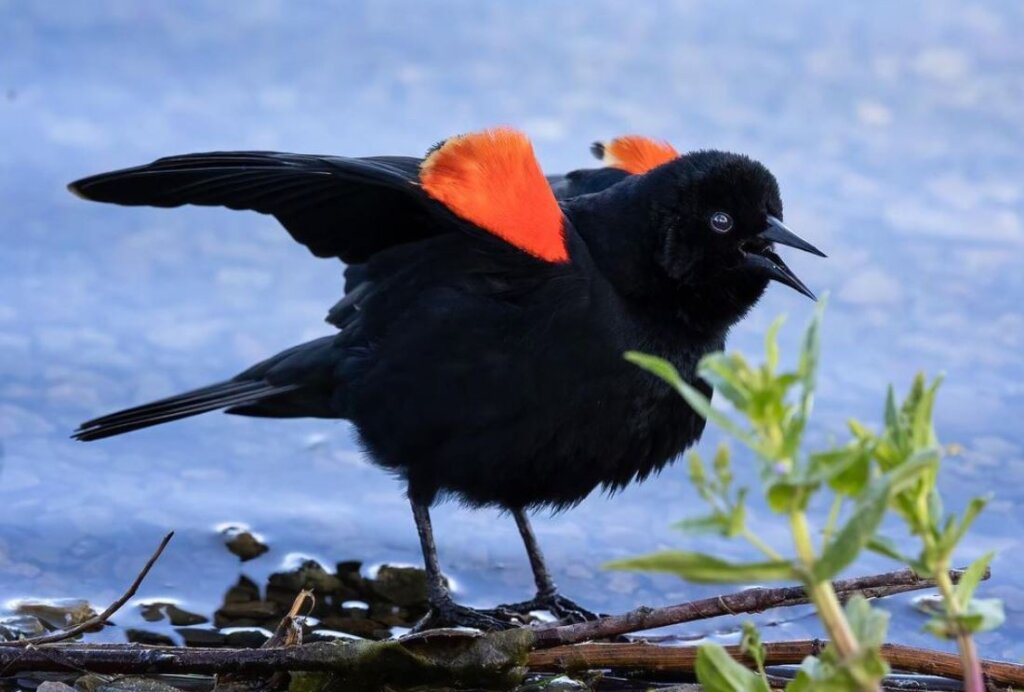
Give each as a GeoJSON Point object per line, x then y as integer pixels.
{"type": "Point", "coordinates": [830, 612]}
{"type": "Point", "coordinates": [830, 524]}
{"type": "Point", "coordinates": [756, 541]}
{"type": "Point", "coordinates": [974, 680]}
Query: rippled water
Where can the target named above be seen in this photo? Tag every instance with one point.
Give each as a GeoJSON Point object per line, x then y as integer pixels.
{"type": "Point", "coordinates": [894, 129]}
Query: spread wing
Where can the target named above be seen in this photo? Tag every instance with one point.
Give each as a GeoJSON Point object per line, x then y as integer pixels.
{"type": "Point", "coordinates": [352, 208]}
{"type": "Point", "coordinates": [622, 157]}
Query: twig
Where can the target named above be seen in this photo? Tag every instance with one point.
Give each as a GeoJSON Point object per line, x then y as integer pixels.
{"type": "Point", "coordinates": [100, 619]}
{"type": "Point", "coordinates": [642, 656]}
{"type": "Point", "coordinates": [323, 656]}
{"type": "Point", "coordinates": [748, 601]}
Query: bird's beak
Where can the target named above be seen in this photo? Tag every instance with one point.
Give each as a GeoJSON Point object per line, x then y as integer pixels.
{"type": "Point", "coordinates": [768, 263]}
{"type": "Point", "coordinates": [778, 232]}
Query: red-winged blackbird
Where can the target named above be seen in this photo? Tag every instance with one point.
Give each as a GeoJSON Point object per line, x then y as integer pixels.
{"type": "Point", "coordinates": [481, 337]}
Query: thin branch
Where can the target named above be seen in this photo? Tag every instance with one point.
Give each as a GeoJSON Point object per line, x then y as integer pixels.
{"type": "Point", "coordinates": [748, 601]}
{"type": "Point", "coordinates": [102, 618]}
{"type": "Point", "coordinates": [642, 656]}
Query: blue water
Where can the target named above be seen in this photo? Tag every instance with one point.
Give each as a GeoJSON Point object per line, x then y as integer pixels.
{"type": "Point", "coordinates": [893, 128]}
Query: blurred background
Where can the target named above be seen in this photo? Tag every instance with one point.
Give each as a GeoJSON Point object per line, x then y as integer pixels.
{"type": "Point", "coordinates": [894, 130]}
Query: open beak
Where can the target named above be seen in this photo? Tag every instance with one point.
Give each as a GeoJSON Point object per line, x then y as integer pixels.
{"type": "Point", "coordinates": [768, 263]}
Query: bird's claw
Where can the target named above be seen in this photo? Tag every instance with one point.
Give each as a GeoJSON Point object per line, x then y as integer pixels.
{"type": "Point", "coordinates": [451, 614]}
{"type": "Point", "coordinates": [565, 609]}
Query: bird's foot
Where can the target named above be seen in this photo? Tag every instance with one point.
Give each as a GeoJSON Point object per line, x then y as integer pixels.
{"type": "Point", "coordinates": [448, 613]}
{"type": "Point", "coordinates": [565, 609]}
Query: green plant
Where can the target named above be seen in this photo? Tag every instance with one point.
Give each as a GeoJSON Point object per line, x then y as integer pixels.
{"type": "Point", "coordinates": [869, 476]}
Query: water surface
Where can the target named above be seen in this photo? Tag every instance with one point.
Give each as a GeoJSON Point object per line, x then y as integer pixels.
{"type": "Point", "coordinates": [894, 130]}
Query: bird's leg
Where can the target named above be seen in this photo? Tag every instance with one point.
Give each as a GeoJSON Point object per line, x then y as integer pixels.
{"type": "Point", "coordinates": [547, 597]}
{"type": "Point", "coordinates": [444, 612]}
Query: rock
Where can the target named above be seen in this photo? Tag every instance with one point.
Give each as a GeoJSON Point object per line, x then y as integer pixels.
{"type": "Point", "coordinates": [558, 683]}
{"type": "Point", "coordinates": [137, 636]}
{"type": "Point", "coordinates": [247, 613]}
{"type": "Point", "coordinates": [310, 575]}
{"type": "Point", "coordinates": [403, 586]}
{"type": "Point", "coordinates": [54, 686]}
{"type": "Point", "coordinates": [123, 684]}
{"type": "Point", "coordinates": [245, 590]}
{"type": "Point", "coordinates": [360, 627]}
{"type": "Point", "coordinates": [179, 617]}
{"type": "Point", "coordinates": [246, 637]}
{"type": "Point", "coordinates": [57, 613]}
{"type": "Point", "coordinates": [929, 604]}
{"type": "Point", "coordinates": [20, 627]}
{"type": "Point", "coordinates": [199, 636]}
{"type": "Point", "coordinates": [245, 545]}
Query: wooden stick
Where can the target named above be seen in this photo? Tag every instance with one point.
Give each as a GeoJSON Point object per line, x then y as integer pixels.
{"type": "Point", "coordinates": [102, 618]}
{"type": "Point", "coordinates": [135, 659]}
{"type": "Point", "coordinates": [748, 601]}
{"type": "Point", "coordinates": [641, 656]}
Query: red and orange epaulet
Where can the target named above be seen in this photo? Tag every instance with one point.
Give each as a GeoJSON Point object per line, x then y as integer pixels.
{"type": "Point", "coordinates": [493, 180]}
{"type": "Point", "coordinates": [634, 153]}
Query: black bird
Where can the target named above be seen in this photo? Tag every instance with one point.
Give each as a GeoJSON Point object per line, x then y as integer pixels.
{"type": "Point", "coordinates": [481, 337]}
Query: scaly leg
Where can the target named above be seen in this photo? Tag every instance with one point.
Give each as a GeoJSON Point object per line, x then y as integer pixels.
{"type": "Point", "coordinates": [444, 612]}
{"type": "Point", "coordinates": [547, 597]}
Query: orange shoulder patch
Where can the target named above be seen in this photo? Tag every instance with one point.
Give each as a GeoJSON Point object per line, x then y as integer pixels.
{"type": "Point", "coordinates": [634, 154]}
{"type": "Point", "coordinates": [493, 180]}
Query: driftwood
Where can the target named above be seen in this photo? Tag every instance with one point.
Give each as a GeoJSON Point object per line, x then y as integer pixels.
{"type": "Point", "coordinates": [748, 601]}
{"type": "Point", "coordinates": [638, 656]}
{"type": "Point", "coordinates": [443, 656]}
{"type": "Point", "coordinates": [500, 650]}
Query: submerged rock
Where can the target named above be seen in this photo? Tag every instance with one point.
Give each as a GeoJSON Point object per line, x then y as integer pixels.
{"type": "Point", "coordinates": [245, 545]}
{"type": "Point", "coordinates": [177, 616]}
{"type": "Point", "coordinates": [138, 636]}
{"type": "Point", "coordinates": [20, 627]}
{"type": "Point", "coordinates": [57, 613]}
{"type": "Point", "coordinates": [403, 586]}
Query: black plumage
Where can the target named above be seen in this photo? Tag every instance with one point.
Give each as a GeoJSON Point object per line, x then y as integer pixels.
{"type": "Point", "coordinates": [470, 366]}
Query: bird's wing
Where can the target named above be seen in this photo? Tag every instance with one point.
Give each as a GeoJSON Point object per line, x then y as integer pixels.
{"type": "Point", "coordinates": [622, 157]}
{"type": "Point", "coordinates": [335, 206]}
{"type": "Point", "coordinates": [352, 208]}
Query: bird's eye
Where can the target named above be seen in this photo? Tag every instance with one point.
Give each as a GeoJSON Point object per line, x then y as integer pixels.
{"type": "Point", "coordinates": [721, 222]}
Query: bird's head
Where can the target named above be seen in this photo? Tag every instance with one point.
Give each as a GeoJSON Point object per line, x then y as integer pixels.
{"type": "Point", "coordinates": [699, 233]}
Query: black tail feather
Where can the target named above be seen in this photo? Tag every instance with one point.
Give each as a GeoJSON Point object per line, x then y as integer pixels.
{"type": "Point", "coordinates": [226, 394]}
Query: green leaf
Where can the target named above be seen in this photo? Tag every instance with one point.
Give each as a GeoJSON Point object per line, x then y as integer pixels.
{"type": "Point", "coordinates": [707, 569]}
{"type": "Point", "coordinates": [845, 469]}
{"type": "Point", "coordinates": [974, 508]}
{"type": "Point", "coordinates": [713, 523]}
{"type": "Point", "coordinates": [698, 476]}
{"type": "Point", "coordinates": [809, 355]}
{"type": "Point", "coordinates": [654, 365]}
{"type": "Point", "coordinates": [971, 577]}
{"type": "Point", "coordinates": [922, 431]}
{"type": "Point", "coordinates": [855, 534]}
{"type": "Point", "coordinates": [717, 671]}
{"type": "Point", "coordinates": [771, 344]}
{"type": "Point", "coordinates": [726, 375]}
{"type": "Point", "coordinates": [983, 614]}
{"type": "Point", "coordinates": [869, 624]}
{"type": "Point", "coordinates": [723, 466]}
{"type": "Point", "coordinates": [752, 645]}
{"type": "Point", "coordinates": [922, 465]}
{"type": "Point", "coordinates": [859, 430]}
{"type": "Point", "coordinates": [785, 496]}
{"type": "Point", "coordinates": [695, 398]}
{"type": "Point", "coordinates": [887, 547]}
{"type": "Point", "coordinates": [980, 615]}
{"type": "Point", "coordinates": [737, 520]}
{"type": "Point", "coordinates": [892, 419]}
